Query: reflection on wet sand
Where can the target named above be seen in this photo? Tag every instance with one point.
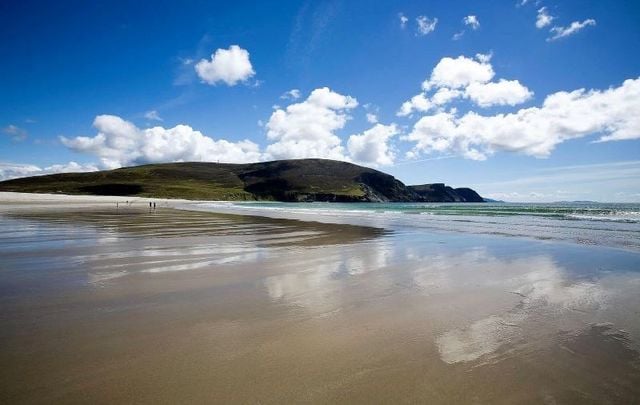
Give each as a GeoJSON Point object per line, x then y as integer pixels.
{"type": "Point", "coordinates": [164, 240]}
{"type": "Point", "coordinates": [178, 306]}
{"type": "Point", "coordinates": [543, 289]}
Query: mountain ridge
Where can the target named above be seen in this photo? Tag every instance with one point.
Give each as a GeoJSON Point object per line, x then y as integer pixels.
{"type": "Point", "coordinates": [294, 180]}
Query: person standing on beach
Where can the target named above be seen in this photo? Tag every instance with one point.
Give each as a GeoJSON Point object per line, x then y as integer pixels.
{"type": "Point", "coordinates": [154, 206]}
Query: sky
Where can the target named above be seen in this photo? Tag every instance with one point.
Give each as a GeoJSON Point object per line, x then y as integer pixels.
{"type": "Point", "coordinates": [522, 100]}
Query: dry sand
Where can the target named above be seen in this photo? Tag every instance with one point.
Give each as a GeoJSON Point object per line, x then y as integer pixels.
{"type": "Point", "coordinates": [109, 306]}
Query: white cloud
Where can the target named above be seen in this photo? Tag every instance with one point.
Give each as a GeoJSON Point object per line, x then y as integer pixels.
{"type": "Point", "coordinates": [227, 65]}
{"type": "Point", "coordinates": [421, 103]}
{"type": "Point", "coordinates": [372, 146]}
{"type": "Point", "coordinates": [403, 20]}
{"type": "Point", "coordinates": [445, 95]}
{"type": "Point", "coordinates": [503, 92]}
{"type": "Point", "coordinates": [15, 170]}
{"type": "Point", "coordinates": [418, 102]}
{"type": "Point", "coordinates": [614, 114]}
{"type": "Point", "coordinates": [543, 19]}
{"type": "Point", "coordinates": [467, 78]}
{"type": "Point", "coordinates": [459, 72]}
{"type": "Point", "coordinates": [426, 25]}
{"type": "Point", "coordinates": [120, 143]}
{"type": "Point", "coordinates": [153, 116]}
{"type": "Point", "coordinates": [292, 94]}
{"type": "Point", "coordinates": [561, 32]}
{"type": "Point", "coordinates": [307, 129]}
{"type": "Point", "coordinates": [17, 134]}
{"type": "Point", "coordinates": [472, 21]}
{"type": "Point", "coordinates": [484, 57]}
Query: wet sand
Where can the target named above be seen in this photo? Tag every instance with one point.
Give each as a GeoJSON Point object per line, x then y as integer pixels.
{"type": "Point", "coordinates": [105, 306]}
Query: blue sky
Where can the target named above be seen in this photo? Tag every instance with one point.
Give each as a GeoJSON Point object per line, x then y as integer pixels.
{"type": "Point", "coordinates": [82, 83]}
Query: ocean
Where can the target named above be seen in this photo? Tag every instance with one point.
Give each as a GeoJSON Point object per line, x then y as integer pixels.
{"type": "Point", "coordinates": [602, 224]}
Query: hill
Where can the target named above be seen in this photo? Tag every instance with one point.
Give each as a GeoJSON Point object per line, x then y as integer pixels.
{"type": "Point", "coordinates": [439, 192]}
{"type": "Point", "coordinates": [282, 180]}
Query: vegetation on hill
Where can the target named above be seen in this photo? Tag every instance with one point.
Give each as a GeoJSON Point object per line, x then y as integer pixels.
{"type": "Point", "coordinates": [283, 180]}
{"type": "Point", "coordinates": [439, 192]}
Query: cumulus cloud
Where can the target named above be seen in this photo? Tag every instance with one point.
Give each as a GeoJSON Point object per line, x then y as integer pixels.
{"type": "Point", "coordinates": [17, 134]}
{"type": "Point", "coordinates": [419, 102]}
{"type": "Point", "coordinates": [120, 143]}
{"type": "Point", "coordinates": [543, 19]}
{"type": "Point", "coordinates": [484, 57]}
{"type": "Point", "coordinates": [573, 28]}
{"type": "Point", "coordinates": [153, 116]}
{"type": "Point", "coordinates": [468, 78]}
{"type": "Point", "coordinates": [459, 72]}
{"type": "Point", "coordinates": [445, 95]}
{"type": "Point", "coordinates": [230, 66]}
{"type": "Point", "coordinates": [403, 20]}
{"type": "Point", "coordinates": [426, 25]}
{"type": "Point", "coordinates": [614, 114]}
{"type": "Point", "coordinates": [15, 170]}
{"type": "Point", "coordinates": [502, 92]}
{"type": "Point", "coordinates": [472, 21]}
{"type": "Point", "coordinates": [307, 129]}
{"type": "Point", "coordinates": [292, 94]}
{"type": "Point", "coordinates": [372, 146]}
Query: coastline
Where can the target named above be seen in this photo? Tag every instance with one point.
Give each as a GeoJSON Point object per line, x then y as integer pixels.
{"type": "Point", "coordinates": [106, 305]}
{"type": "Point", "coordinates": [15, 200]}
{"type": "Point", "coordinates": [612, 226]}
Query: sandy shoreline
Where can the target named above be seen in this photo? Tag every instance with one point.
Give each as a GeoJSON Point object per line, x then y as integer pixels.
{"type": "Point", "coordinates": [103, 305]}
{"type": "Point", "coordinates": [15, 200]}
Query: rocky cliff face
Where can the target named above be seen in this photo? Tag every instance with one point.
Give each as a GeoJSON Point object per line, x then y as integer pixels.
{"type": "Point", "coordinates": [439, 192]}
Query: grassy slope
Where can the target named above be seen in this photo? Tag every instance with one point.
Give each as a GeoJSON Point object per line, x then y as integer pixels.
{"type": "Point", "coordinates": [284, 180]}
{"type": "Point", "coordinates": [266, 180]}
{"type": "Point", "coordinates": [146, 181]}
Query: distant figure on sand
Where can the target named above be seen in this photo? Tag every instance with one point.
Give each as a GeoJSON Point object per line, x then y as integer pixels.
{"type": "Point", "coordinates": [154, 206]}
{"type": "Point", "coordinates": [149, 204]}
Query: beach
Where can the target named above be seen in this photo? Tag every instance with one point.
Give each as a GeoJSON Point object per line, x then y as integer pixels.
{"type": "Point", "coordinates": [127, 304]}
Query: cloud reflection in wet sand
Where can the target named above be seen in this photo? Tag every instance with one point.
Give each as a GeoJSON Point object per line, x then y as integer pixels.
{"type": "Point", "coordinates": [545, 295]}
{"type": "Point", "coordinates": [544, 290]}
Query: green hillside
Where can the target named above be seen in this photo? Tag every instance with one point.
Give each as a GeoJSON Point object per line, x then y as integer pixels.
{"type": "Point", "coordinates": [284, 180]}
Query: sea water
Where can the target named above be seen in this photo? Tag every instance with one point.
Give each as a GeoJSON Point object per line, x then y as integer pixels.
{"type": "Point", "coordinates": [604, 224]}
